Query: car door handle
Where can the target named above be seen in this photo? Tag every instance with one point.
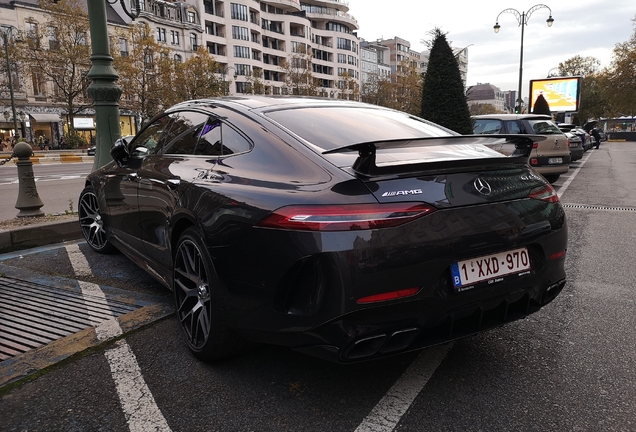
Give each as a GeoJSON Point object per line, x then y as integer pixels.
{"type": "Point", "coordinates": [173, 184]}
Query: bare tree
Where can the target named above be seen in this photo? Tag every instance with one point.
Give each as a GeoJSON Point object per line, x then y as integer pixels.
{"type": "Point", "coordinates": [145, 71]}
{"type": "Point", "coordinates": [298, 72]}
{"type": "Point", "coordinates": [57, 51]}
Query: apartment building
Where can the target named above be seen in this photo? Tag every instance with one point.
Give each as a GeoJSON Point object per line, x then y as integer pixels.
{"type": "Point", "coordinates": [244, 36]}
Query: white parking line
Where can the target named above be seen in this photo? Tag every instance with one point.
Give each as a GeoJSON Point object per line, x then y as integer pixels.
{"type": "Point", "coordinates": [574, 173]}
{"type": "Point", "coordinates": [139, 406]}
{"type": "Point", "coordinates": [385, 416]}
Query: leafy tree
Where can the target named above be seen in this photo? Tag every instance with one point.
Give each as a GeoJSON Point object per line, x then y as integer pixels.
{"type": "Point", "coordinates": [579, 66]}
{"type": "Point", "coordinates": [620, 80]}
{"type": "Point", "coordinates": [540, 106]}
{"type": "Point", "coordinates": [443, 98]}
{"type": "Point", "coordinates": [145, 72]}
{"type": "Point", "coordinates": [401, 90]}
{"type": "Point", "coordinates": [255, 84]}
{"type": "Point", "coordinates": [198, 77]}
{"type": "Point", "coordinates": [297, 69]}
{"type": "Point", "coordinates": [350, 89]}
{"type": "Point", "coordinates": [59, 54]}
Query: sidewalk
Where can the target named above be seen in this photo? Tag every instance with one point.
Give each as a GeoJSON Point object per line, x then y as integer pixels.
{"type": "Point", "coordinates": [54, 156]}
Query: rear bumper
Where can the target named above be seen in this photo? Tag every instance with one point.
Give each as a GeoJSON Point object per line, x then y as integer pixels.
{"type": "Point", "coordinates": [313, 307]}
{"type": "Point", "coordinates": [421, 324]}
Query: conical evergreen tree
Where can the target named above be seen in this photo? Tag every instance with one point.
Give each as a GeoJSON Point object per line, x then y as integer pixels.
{"type": "Point", "coordinates": [443, 98]}
{"type": "Point", "coordinates": [541, 106]}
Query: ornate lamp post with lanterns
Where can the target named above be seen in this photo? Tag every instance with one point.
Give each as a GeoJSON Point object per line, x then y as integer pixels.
{"type": "Point", "coordinates": [522, 19]}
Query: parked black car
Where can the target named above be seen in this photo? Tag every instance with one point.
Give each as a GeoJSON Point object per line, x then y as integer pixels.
{"type": "Point", "coordinates": [550, 157]}
{"type": "Point", "coordinates": [343, 230]}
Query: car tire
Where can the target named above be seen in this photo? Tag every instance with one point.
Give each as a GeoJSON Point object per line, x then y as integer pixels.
{"type": "Point", "coordinates": [92, 223]}
{"type": "Point", "coordinates": [200, 302]}
{"type": "Point", "coordinates": [552, 178]}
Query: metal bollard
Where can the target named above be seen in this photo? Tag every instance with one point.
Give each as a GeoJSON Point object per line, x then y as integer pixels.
{"type": "Point", "coordinates": [29, 201]}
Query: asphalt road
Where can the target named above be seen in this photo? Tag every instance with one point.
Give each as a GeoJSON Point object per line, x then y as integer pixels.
{"type": "Point", "coordinates": [569, 367]}
{"type": "Point", "coordinates": [58, 186]}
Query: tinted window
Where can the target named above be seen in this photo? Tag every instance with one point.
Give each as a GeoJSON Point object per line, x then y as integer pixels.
{"type": "Point", "coordinates": [335, 127]}
{"type": "Point", "coordinates": [149, 141]}
{"type": "Point", "coordinates": [220, 139]}
{"type": "Point", "coordinates": [184, 132]}
{"type": "Point", "coordinates": [487, 126]}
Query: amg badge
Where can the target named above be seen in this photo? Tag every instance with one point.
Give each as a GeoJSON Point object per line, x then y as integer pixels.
{"type": "Point", "coordinates": [404, 192]}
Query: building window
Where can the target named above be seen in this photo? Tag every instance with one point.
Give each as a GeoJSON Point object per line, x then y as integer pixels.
{"type": "Point", "coordinates": [241, 33]}
{"type": "Point", "coordinates": [54, 44]}
{"type": "Point", "coordinates": [174, 37]}
{"type": "Point", "coordinates": [192, 17]}
{"type": "Point", "coordinates": [241, 51]}
{"type": "Point", "coordinates": [243, 69]}
{"type": "Point", "coordinates": [239, 12]}
{"type": "Point", "coordinates": [161, 34]}
{"type": "Point", "coordinates": [178, 58]}
{"type": "Point", "coordinates": [38, 83]}
{"type": "Point", "coordinates": [193, 42]}
{"type": "Point", "coordinates": [342, 58]}
{"type": "Point", "coordinates": [123, 47]}
{"type": "Point", "coordinates": [242, 87]}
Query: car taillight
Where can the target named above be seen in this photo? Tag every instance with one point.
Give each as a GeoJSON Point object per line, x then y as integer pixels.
{"type": "Point", "coordinates": [569, 144]}
{"type": "Point", "coordinates": [534, 161]}
{"type": "Point", "coordinates": [545, 193]}
{"type": "Point", "coordinates": [535, 145]}
{"type": "Point", "coordinates": [346, 217]}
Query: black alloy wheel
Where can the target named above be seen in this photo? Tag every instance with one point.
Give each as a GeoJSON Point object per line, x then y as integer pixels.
{"type": "Point", "coordinates": [92, 223]}
{"type": "Point", "coordinates": [199, 299]}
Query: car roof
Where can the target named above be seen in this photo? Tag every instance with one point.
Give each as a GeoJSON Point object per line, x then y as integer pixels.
{"type": "Point", "coordinates": [513, 116]}
{"type": "Point", "coordinates": [264, 102]}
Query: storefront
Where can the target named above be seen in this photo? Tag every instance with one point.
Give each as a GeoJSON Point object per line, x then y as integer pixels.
{"type": "Point", "coordinates": [85, 126]}
{"type": "Point", "coordinates": [45, 127]}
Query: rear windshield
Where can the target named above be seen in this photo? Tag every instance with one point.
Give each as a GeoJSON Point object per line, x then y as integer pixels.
{"type": "Point", "coordinates": [544, 127]}
{"type": "Point", "coordinates": [334, 127]}
{"type": "Point", "coordinates": [487, 126]}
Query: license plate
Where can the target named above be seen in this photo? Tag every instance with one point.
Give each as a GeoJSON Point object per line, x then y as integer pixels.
{"type": "Point", "coordinates": [490, 267]}
{"type": "Point", "coordinates": [555, 160]}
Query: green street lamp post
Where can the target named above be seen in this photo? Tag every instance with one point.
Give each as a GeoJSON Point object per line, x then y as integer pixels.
{"type": "Point", "coordinates": [522, 19]}
{"type": "Point", "coordinates": [103, 90]}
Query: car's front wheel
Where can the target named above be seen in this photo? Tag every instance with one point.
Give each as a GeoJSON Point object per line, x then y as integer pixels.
{"type": "Point", "coordinates": [200, 301]}
{"type": "Point", "coordinates": [92, 223]}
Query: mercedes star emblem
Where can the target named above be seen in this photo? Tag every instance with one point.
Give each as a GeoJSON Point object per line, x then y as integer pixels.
{"type": "Point", "coordinates": [482, 186]}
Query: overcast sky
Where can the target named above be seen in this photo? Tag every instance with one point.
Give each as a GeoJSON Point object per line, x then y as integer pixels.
{"type": "Point", "coordinates": [581, 27]}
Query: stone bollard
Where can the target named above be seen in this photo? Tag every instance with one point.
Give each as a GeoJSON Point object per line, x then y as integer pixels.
{"type": "Point", "coordinates": [29, 201]}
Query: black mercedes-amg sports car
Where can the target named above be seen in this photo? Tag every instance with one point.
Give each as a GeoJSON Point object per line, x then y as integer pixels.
{"type": "Point", "coordinates": [344, 230]}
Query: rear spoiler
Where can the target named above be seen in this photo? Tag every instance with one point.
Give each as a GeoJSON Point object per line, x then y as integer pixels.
{"type": "Point", "coordinates": [365, 163]}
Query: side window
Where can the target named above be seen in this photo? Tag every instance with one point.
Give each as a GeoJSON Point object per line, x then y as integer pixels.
{"type": "Point", "coordinates": [210, 139]}
{"type": "Point", "coordinates": [149, 141]}
{"type": "Point", "coordinates": [220, 139]}
{"type": "Point", "coordinates": [184, 132]}
{"type": "Point", "coordinates": [513, 127]}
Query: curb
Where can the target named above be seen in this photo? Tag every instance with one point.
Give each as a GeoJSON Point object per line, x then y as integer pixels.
{"type": "Point", "coordinates": [39, 235]}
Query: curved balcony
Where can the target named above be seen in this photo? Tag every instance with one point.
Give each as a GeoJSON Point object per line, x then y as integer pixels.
{"type": "Point", "coordinates": [341, 5]}
{"type": "Point", "coordinates": [337, 17]}
{"type": "Point", "coordinates": [286, 5]}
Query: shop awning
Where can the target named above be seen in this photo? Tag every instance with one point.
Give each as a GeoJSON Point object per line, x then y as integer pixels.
{"type": "Point", "coordinates": [45, 117]}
